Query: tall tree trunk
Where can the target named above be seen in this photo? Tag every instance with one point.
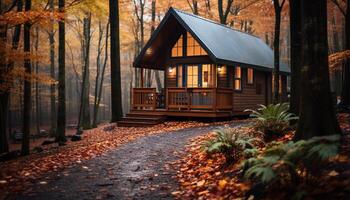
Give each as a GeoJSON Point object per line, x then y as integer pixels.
{"type": "Point", "coordinates": [295, 54]}
{"type": "Point", "coordinates": [156, 72]}
{"type": "Point", "coordinates": [61, 109]}
{"type": "Point", "coordinates": [276, 45]}
{"type": "Point", "coordinates": [3, 94]}
{"type": "Point", "coordinates": [317, 116]}
{"type": "Point", "coordinates": [116, 92]}
{"type": "Point", "coordinates": [52, 73]}
{"type": "Point", "coordinates": [27, 86]}
{"type": "Point", "coordinates": [346, 80]}
{"type": "Point", "coordinates": [86, 119]}
{"type": "Point", "coordinates": [101, 73]}
{"type": "Point", "coordinates": [37, 88]}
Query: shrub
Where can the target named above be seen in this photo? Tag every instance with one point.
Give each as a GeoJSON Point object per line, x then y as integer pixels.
{"type": "Point", "coordinates": [289, 163]}
{"type": "Point", "coordinates": [231, 144]}
{"type": "Point", "coordinates": [272, 120]}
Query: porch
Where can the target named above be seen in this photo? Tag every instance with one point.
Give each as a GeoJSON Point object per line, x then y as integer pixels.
{"type": "Point", "coordinates": [196, 102]}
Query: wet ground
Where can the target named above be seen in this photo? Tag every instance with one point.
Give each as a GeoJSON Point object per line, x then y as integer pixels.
{"type": "Point", "coordinates": [136, 170]}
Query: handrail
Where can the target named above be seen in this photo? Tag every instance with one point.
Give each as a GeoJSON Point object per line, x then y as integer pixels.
{"type": "Point", "coordinates": [144, 98]}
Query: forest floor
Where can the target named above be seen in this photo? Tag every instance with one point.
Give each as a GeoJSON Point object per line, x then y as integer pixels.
{"type": "Point", "coordinates": [110, 162]}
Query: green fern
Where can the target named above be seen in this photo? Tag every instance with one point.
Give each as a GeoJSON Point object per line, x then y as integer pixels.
{"type": "Point", "coordinates": [272, 120]}
{"type": "Point", "coordinates": [281, 162]}
{"type": "Point", "coordinates": [232, 144]}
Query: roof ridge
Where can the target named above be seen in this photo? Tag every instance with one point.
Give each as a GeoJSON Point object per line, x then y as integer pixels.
{"type": "Point", "coordinates": [212, 21]}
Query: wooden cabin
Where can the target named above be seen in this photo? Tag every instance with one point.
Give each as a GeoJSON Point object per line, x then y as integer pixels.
{"type": "Point", "coordinates": [210, 70]}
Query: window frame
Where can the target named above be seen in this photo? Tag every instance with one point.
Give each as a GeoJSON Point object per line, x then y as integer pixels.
{"type": "Point", "coordinates": [235, 78]}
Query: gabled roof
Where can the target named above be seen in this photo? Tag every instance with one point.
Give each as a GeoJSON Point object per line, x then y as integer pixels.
{"type": "Point", "coordinates": [223, 44]}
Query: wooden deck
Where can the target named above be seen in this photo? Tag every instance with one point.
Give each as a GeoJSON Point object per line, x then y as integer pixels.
{"type": "Point", "coordinates": [150, 108]}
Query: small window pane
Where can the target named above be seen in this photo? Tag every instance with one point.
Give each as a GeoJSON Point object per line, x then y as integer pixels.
{"type": "Point", "coordinates": [238, 84]}
{"type": "Point", "coordinates": [250, 78]}
{"type": "Point", "coordinates": [176, 51]}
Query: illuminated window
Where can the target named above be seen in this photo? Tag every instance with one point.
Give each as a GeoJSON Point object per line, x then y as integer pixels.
{"type": "Point", "coordinates": [207, 77]}
{"type": "Point", "coordinates": [179, 76]}
{"type": "Point", "coordinates": [279, 84]}
{"type": "Point", "coordinates": [250, 76]}
{"type": "Point", "coordinates": [193, 47]}
{"type": "Point", "coordinates": [238, 78]}
{"type": "Point", "coordinates": [176, 51]}
{"type": "Point", "coordinates": [192, 76]}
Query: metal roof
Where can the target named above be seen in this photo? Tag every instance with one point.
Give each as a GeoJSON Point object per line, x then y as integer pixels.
{"type": "Point", "coordinates": [227, 44]}
{"type": "Point", "coordinates": [223, 44]}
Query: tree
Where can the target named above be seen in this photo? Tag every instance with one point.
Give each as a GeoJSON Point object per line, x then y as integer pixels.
{"type": "Point", "coordinates": [156, 72]}
{"type": "Point", "coordinates": [317, 116]}
{"type": "Point", "coordinates": [276, 47]}
{"type": "Point", "coordinates": [27, 100]}
{"type": "Point", "coordinates": [116, 92]}
{"type": "Point", "coordinates": [51, 34]}
{"type": "Point", "coordinates": [101, 67]}
{"type": "Point", "coordinates": [295, 53]}
{"type": "Point", "coordinates": [61, 110]}
{"type": "Point", "coordinates": [84, 113]}
{"type": "Point", "coordinates": [4, 71]}
{"type": "Point", "coordinates": [223, 14]}
{"type": "Point", "coordinates": [193, 5]}
{"type": "Point", "coordinates": [37, 87]}
{"type": "Point", "coordinates": [3, 94]}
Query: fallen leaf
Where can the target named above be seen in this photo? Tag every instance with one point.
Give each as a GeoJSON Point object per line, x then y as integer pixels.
{"type": "Point", "coordinates": [222, 184]}
{"type": "Point", "coordinates": [200, 183]}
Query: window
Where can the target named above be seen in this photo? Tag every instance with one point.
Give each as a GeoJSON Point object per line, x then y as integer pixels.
{"type": "Point", "coordinates": [177, 50]}
{"type": "Point", "coordinates": [193, 47]}
{"type": "Point", "coordinates": [179, 76]}
{"type": "Point", "coordinates": [238, 78]}
{"type": "Point", "coordinates": [250, 76]}
{"type": "Point", "coordinates": [207, 76]}
{"type": "Point", "coordinates": [192, 76]}
{"type": "Point", "coordinates": [279, 84]}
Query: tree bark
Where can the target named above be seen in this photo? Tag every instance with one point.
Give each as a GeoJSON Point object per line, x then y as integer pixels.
{"type": "Point", "coordinates": [86, 119]}
{"type": "Point", "coordinates": [317, 116]}
{"type": "Point", "coordinates": [52, 74]}
{"type": "Point", "coordinates": [61, 109]}
{"type": "Point", "coordinates": [3, 94]}
{"type": "Point", "coordinates": [27, 86]}
{"type": "Point", "coordinates": [276, 44]}
{"type": "Point", "coordinates": [116, 92]}
{"type": "Point", "coordinates": [37, 87]}
{"type": "Point", "coordinates": [346, 80]}
{"type": "Point", "coordinates": [295, 54]}
{"type": "Point", "coordinates": [156, 72]}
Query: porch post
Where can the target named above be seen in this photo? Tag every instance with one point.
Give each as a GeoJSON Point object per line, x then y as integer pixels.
{"type": "Point", "coordinates": [141, 72]}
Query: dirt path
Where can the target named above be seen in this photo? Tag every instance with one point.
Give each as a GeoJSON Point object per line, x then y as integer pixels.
{"type": "Point", "coordinates": [136, 170]}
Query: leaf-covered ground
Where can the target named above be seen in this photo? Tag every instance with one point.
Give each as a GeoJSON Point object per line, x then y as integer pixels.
{"type": "Point", "coordinates": [204, 177]}
{"type": "Point", "coordinates": [20, 174]}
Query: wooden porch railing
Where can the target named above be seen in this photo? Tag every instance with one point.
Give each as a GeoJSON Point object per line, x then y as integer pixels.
{"type": "Point", "coordinates": [144, 98]}
{"type": "Point", "coordinates": [213, 99]}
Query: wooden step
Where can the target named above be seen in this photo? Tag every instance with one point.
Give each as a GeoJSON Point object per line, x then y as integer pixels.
{"type": "Point", "coordinates": [136, 124]}
{"type": "Point", "coordinates": [145, 115]}
{"type": "Point", "coordinates": [142, 119]}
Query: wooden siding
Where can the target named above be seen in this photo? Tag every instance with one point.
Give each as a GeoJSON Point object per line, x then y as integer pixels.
{"type": "Point", "coordinates": [251, 94]}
